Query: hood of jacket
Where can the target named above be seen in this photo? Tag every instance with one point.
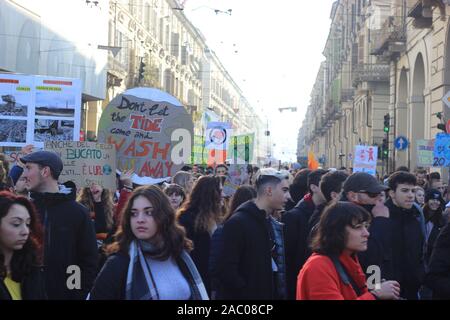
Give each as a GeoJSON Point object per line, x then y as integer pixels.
{"type": "Point", "coordinates": [48, 198]}
{"type": "Point", "coordinates": [251, 208]}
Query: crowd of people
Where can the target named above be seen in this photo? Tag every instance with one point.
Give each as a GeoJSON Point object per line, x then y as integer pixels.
{"type": "Point", "coordinates": [283, 235]}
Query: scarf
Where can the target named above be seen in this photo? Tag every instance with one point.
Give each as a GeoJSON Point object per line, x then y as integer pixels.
{"type": "Point", "coordinates": [140, 284]}
{"type": "Point", "coordinates": [354, 270]}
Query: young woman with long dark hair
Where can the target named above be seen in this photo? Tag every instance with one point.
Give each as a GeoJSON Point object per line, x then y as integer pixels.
{"type": "Point", "coordinates": [149, 260]}
{"type": "Point", "coordinates": [199, 216]}
{"type": "Point", "coordinates": [21, 274]}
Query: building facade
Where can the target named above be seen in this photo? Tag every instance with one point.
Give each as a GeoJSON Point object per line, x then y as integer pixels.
{"type": "Point", "coordinates": [381, 58]}
{"type": "Point", "coordinates": [35, 40]}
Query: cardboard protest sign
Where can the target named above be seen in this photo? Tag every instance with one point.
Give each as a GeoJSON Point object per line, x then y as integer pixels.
{"type": "Point", "coordinates": [151, 130]}
{"type": "Point", "coordinates": [365, 159]}
{"type": "Point", "coordinates": [35, 109]}
{"type": "Point", "coordinates": [425, 153]}
{"type": "Point", "coordinates": [238, 174]}
{"type": "Point", "coordinates": [86, 162]}
{"type": "Point", "coordinates": [441, 154]}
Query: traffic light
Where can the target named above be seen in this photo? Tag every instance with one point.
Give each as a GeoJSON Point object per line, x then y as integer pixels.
{"type": "Point", "coordinates": [385, 149]}
{"type": "Point", "coordinates": [441, 126]}
{"type": "Point", "coordinates": [387, 119]}
{"type": "Point", "coordinates": [141, 71]}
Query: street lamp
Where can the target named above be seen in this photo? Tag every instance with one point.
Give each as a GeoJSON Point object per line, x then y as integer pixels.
{"type": "Point", "coordinates": [341, 156]}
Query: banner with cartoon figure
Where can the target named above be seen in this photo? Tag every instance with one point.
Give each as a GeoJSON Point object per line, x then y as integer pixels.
{"type": "Point", "coordinates": [365, 159]}
{"type": "Point", "coordinates": [151, 130]}
{"type": "Point", "coordinates": [217, 135]}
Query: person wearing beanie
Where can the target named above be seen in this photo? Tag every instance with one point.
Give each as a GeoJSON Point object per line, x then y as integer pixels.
{"type": "Point", "coordinates": [434, 220]}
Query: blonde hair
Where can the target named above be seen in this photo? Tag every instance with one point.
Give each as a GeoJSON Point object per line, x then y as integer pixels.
{"type": "Point", "coordinates": [181, 178]}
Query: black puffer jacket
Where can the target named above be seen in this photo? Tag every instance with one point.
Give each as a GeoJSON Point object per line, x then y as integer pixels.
{"type": "Point", "coordinates": [69, 241]}
{"type": "Point", "coordinates": [32, 286]}
{"type": "Point", "coordinates": [245, 263]}
{"type": "Point", "coordinates": [296, 240]}
{"type": "Point", "coordinates": [438, 275]}
{"type": "Point", "coordinates": [407, 245]}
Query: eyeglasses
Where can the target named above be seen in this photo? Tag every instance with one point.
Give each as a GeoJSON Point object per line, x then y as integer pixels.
{"type": "Point", "coordinates": [370, 194]}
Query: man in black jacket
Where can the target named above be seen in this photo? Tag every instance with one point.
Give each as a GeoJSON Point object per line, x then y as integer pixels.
{"type": "Point", "coordinates": [251, 262]}
{"type": "Point", "coordinates": [297, 231]}
{"type": "Point", "coordinates": [407, 240]}
{"type": "Point", "coordinates": [69, 232]}
{"type": "Point", "coordinates": [438, 274]}
{"type": "Point", "coordinates": [363, 189]}
{"type": "Point", "coordinates": [331, 188]}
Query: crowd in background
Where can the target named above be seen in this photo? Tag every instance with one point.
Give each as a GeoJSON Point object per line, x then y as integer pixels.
{"type": "Point", "coordinates": [292, 233]}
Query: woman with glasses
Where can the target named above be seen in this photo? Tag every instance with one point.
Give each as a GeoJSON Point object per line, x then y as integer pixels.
{"type": "Point", "coordinates": [333, 271]}
{"type": "Point", "coordinates": [149, 260]}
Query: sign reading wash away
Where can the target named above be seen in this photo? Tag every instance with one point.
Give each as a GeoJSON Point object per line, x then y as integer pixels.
{"type": "Point", "coordinates": [151, 130]}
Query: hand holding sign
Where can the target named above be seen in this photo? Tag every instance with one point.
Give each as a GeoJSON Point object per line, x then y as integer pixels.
{"type": "Point", "coordinates": [125, 177]}
{"type": "Point", "coordinates": [27, 149]}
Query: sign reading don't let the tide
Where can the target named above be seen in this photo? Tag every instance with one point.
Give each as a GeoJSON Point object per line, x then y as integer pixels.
{"type": "Point", "coordinates": [151, 130]}
{"type": "Point", "coordinates": [86, 162]}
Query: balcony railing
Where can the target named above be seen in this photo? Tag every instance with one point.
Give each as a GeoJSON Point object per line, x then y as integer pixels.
{"type": "Point", "coordinates": [347, 95]}
{"type": "Point", "coordinates": [391, 39]}
{"type": "Point", "coordinates": [116, 67]}
{"type": "Point", "coordinates": [370, 72]}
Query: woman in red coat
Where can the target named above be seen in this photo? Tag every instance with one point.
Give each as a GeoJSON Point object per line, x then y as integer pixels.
{"type": "Point", "coordinates": [333, 271]}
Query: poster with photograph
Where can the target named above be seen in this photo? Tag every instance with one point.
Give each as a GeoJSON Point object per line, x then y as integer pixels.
{"type": "Point", "coordinates": [13, 131]}
{"type": "Point", "coordinates": [53, 130]}
{"type": "Point", "coordinates": [34, 109]}
{"type": "Point", "coordinates": [15, 104]}
{"type": "Point", "coordinates": [53, 104]}
{"type": "Point", "coordinates": [57, 109]}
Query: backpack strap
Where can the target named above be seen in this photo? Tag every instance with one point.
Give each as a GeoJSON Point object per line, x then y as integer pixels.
{"type": "Point", "coordinates": [346, 279]}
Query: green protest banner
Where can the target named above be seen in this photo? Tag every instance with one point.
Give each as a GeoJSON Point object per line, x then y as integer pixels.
{"type": "Point", "coordinates": [199, 152]}
{"type": "Point", "coordinates": [240, 148]}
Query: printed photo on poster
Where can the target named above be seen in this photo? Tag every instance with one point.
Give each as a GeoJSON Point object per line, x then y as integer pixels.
{"type": "Point", "coordinates": [13, 131]}
{"type": "Point", "coordinates": [55, 104]}
{"type": "Point", "coordinates": [15, 105]}
{"type": "Point", "coordinates": [53, 130]}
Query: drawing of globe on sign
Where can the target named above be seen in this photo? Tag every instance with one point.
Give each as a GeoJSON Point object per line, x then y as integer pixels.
{"type": "Point", "coordinates": [141, 123]}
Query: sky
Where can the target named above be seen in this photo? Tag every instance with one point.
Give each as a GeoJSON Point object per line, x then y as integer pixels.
{"type": "Point", "coordinates": [273, 51]}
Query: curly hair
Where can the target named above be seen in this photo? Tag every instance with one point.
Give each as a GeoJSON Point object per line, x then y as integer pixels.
{"type": "Point", "coordinates": [204, 203]}
{"type": "Point", "coordinates": [31, 253]}
{"type": "Point", "coordinates": [172, 236]}
{"type": "Point", "coordinates": [87, 199]}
